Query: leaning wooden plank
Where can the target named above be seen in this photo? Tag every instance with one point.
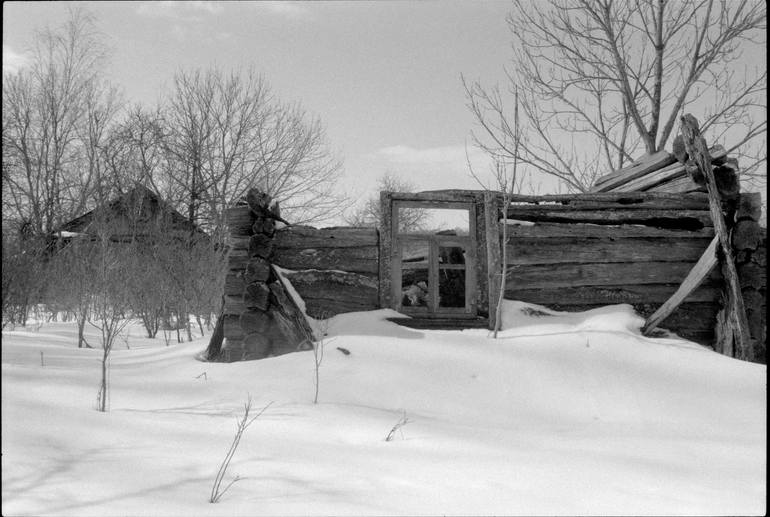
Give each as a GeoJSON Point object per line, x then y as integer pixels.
{"type": "Point", "coordinates": [601, 231]}
{"type": "Point", "coordinates": [575, 250]}
{"type": "Point", "coordinates": [684, 185]}
{"type": "Point", "coordinates": [661, 218]}
{"type": "Point", "coordinates": [698, 273]}
{"type": "Point", "coordinates": [696, 148]}
{"type": "Point", "coordinates": [645, 165]}
{"type": "Point", "coordinates": [673, 171]}
{"type": "Point", "coordinates": [640, 167]}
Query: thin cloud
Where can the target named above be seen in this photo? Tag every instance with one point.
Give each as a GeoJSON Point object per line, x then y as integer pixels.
{"type": "Point", "coordinates": [408, 155]}
{"type": "Point", "coordinates": [287, 9]}
{"type": "Point", "coordinates": [434, 167]}
{"type": "Point", "coordinates": [12, 60]}
{"type": "Point", "coordinates": [189, 11]}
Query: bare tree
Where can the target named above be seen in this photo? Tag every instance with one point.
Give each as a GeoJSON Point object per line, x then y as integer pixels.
{"type": "Point", "coordinates": [603, 81]}
{"type": "Point", "coordinates": [227, 133]}
{"type": "Point", "coordinates": [53, 109]}
{"type": "Point", "coordinates": [370, 212]}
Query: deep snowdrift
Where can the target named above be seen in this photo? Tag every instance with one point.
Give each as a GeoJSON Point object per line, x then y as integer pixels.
{"type": "Point", "coordinates": [562, 414]}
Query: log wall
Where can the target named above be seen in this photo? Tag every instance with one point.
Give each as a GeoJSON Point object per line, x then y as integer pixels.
{"type": "Point", "coordinates": [334, 270]}
{"type": "Point", "coordinates": [579, 252]}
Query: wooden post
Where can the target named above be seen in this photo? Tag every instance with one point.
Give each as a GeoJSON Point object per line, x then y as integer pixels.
{"type": "Point", "coordinates": [698, 151]}
{"type": "Point", "coordinates": [492, 238]}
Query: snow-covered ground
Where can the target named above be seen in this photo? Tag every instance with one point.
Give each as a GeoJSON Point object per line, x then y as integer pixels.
{"type": "Point", "coordinates": [563, 414]}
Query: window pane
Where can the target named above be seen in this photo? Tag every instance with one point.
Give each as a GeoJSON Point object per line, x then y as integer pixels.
{"type": "Point", "coordinates": [444, 221]}
{"type": "Point", "coordinates": [451, 288]}
{"type": "Point", "coordinates": [451, 255]}
{"type": "Point", "coordinates": [414, 288]}
{"type": "Point", "coordinates": [415, 253]}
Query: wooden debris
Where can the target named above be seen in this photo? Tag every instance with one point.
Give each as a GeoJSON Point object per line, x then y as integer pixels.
{"type": "Point", "coordinates": [640, 167]}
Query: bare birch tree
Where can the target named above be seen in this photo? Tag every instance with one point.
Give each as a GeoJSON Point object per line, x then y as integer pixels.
{"type": "Point", "coordinates": [603, 81]}
{"type": "Point", "coordinates": [52, 111]}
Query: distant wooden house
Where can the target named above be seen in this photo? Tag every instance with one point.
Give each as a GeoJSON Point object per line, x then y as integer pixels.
{"type": "Point", "coordinates": [139, 214]}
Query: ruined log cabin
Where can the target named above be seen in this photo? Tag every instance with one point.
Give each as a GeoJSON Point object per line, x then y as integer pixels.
{"type": "Point", "coordinates": [632, 240]}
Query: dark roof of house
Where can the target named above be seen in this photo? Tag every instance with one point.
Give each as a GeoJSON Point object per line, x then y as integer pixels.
{"type": "Point", "coordinates": [145, 203]}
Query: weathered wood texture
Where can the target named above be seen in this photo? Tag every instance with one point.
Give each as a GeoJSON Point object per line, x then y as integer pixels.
{"type": "Point", "coordinates": [652, 170]}
{"type": "Point", "coordinates": [607, 248]}
{"type": "Point", "coordinates": [694, 278]}
{"type": "Point", "coordinates": [343, 249]}
{"type": "Point", "coordinates": [696, 148]}
{"type": "Point", "coordinates": [603, 250]}
{"type": "Point", "coordinates": [749, 241]}
{"type": "Point", "coordinates": [327, 293]}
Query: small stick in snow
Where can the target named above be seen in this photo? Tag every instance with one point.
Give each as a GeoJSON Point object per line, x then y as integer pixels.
{"type": "Point", "coordinates": [397, 427]}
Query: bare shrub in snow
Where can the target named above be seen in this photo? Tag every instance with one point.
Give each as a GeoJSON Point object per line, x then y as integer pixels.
{"type": "Point", "coordinates": [397, 427]}
{"type": "Point", "coordinates": [216, 490]}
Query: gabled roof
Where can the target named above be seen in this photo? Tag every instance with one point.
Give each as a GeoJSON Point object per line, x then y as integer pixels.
{"type": "Point", "coordinates": [139, 205]}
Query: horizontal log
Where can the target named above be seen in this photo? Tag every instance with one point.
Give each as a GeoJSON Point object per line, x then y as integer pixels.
{"type": "Point", "coordinates": [572, 250]}
{"type": "Point", "coordinates": [304, 237]}
{"type": "Point", "coordinates": [256, 296]}
{"type": "Point", "coordinates": [660, 218]}
{"type": "Point", "coordinates": [232, 327]}
{"type": "Point", "coordinates": [639, 167]}
{"type": "Point", "coordinates": [694, 278]}
{"type": "Point", "coordinates": [234, 284]}
{"type": "Point", "coordinates": [234, 305]}
{"type": "Point", "coordinates": [747, 235]}
{"type": "Point", "coordinates": [257, 270]}
{"type": "Point", "coordinates": [327, 293]}
{"type": "Point", "coordinates": [749, 206]}
{"type": "Point", "coordinates": [551, 276]}
{"type": "Point", "coordinates": [752, 275]}
{"type": "Point", "coordinates": [357, 260]}
{"type": "Point", "coordinates": [614, 201]}
{"type": "Point", "coordinates": [239, 220]}
{"type": "Point", "coordinates": [443, 196]}
{"type": "Point", "coordinates": [541, 230]}
{"type": "Point", "coordinates": [610, 294]}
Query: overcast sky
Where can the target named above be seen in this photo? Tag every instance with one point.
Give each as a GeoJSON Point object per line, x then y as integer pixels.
{"type": "Point", "coordinates": [383, 76]}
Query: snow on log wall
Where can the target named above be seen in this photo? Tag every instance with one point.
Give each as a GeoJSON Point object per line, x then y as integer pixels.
{"type": "Point", "coordinates": [582, 251]}
{"type": "Point", "coordinates": [334, 270]}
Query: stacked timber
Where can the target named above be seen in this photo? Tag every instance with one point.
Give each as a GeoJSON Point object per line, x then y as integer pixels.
{"type": "Point", "coordinates": [575, 253]}
{"type": "Point", "coordinates": [334, 270]}
{"type": "Point", "coordinates": [672, 173]}
{"type": "Point", "coordinates": [749, 242]}
{"type": "Point", "coordinates": [260, 319]}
